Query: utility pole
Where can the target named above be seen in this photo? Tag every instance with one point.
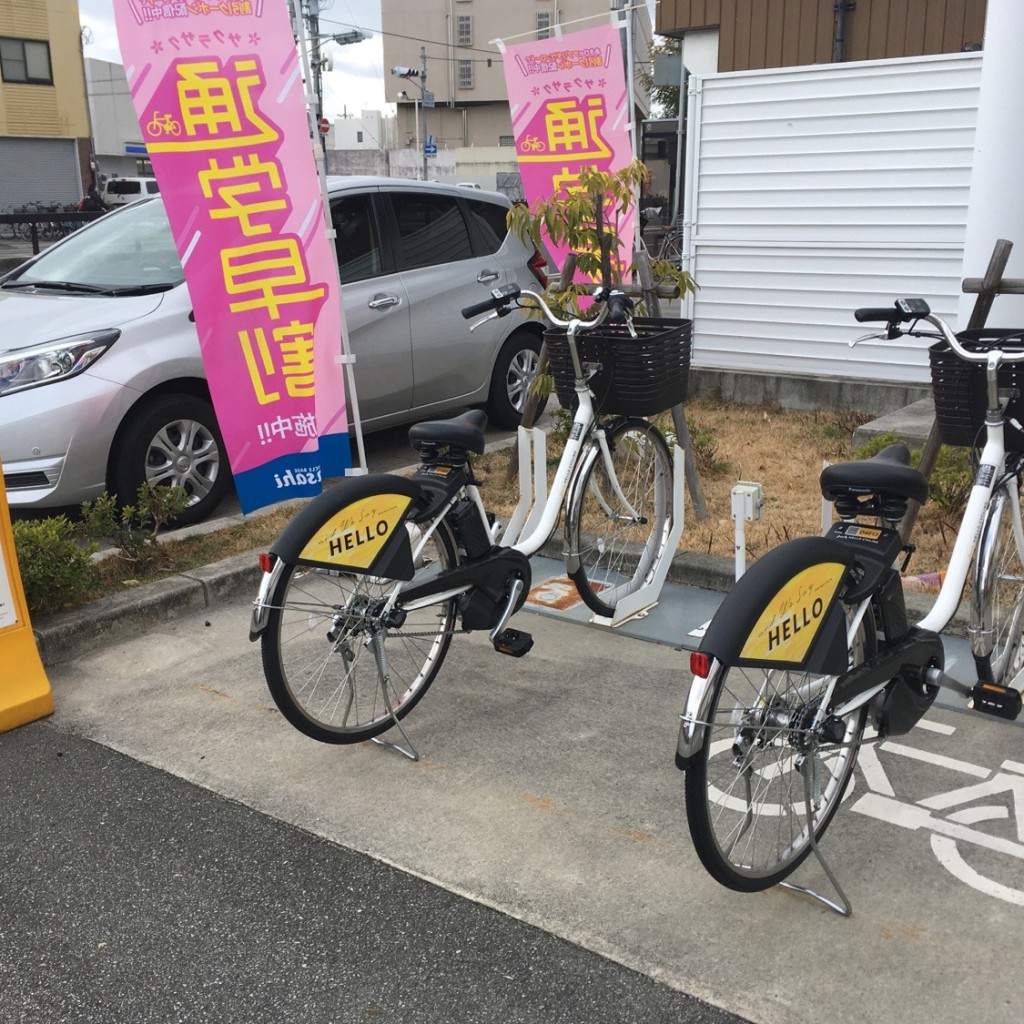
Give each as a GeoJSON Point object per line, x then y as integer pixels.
{"type": "Point", "coordinates": [423, 84]}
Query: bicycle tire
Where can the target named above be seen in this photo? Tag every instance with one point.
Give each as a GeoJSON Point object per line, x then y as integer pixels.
{"type": "Point", "coordinates": [753, 841]}
{"type": "Point", "coordinates": [616, 549]}
{"type": "Point", "coordinates": [998, 602]}
{"type": "Point", "coordinates": [316, 647]}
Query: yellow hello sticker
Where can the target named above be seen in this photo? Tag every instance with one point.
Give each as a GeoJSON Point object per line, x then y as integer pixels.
{"type": "Point", "coordinates": [790, 621]}
{"type": "Point", "coordinates": [354, 536]}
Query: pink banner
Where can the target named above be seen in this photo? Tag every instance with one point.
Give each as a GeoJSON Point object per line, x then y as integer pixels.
{"type": "Point", "coordinates": [570, 109]}
{"type": "Point", "coordinates": [218, 91]}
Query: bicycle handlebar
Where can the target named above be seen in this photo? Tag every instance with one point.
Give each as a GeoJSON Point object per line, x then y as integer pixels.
{"type": "Point", "coordinates": [615, 306]}
{"type": "Point", "coordinates": [905, 311]}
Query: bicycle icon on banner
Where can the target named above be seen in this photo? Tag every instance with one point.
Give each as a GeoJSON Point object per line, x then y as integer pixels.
{"type": "Point", "coordinates": [163, 123]}
{"type": "Point", "coordinates": [974, 827]}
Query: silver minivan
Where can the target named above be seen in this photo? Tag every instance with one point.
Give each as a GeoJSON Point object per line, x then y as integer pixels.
{"type": "Point", "coordinates": [101, 381]}
{"type": "Point", "coordinates": [121, 191]}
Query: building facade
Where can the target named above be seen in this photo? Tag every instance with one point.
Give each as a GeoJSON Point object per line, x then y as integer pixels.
{"type": "Point", "coordinates": [463, 64]}
{"type": "Point", "coordinates": [117, 137]}
{"type": "Point", "coordinates": [755, 34]}
{"type": "Point", "coordinates": [45, 136]}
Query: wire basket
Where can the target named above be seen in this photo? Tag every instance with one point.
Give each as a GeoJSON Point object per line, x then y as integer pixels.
{"type": "Point", "coordinates": [638, 376]}
{"type": "Point", "coordinates": [961, 394]}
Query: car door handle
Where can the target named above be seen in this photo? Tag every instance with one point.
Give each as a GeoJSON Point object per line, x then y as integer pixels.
{"type": "Point", "coordinates": [487, 276]}
{"type": "Point", "coordinates": [383, 301]}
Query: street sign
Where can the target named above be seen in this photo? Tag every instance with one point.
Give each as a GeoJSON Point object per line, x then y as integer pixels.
{"type": "Point", "coordinates": [430, 146]}
{"type": "Point", "coordinates": [325, 126]}
{"type": "Point", "coordinates": [428, 99]}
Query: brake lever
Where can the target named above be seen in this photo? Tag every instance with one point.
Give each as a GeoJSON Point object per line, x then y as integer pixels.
{"type": "Point", "coordinates": [490, 316]}
{"type": "Point", "coordinates": [891, 333]}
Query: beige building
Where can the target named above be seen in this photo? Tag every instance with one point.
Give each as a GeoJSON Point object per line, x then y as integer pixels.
{"type": "Point", "coordinates": [453, 41]}
{"type": "Point", "coordinates": [45, 144]}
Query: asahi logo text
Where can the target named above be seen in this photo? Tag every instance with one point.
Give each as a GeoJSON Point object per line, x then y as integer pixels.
{"type": "Point", "coordinates": [352, 539]}
{"type": "Point", "coordinates": [799, 620]}
{"type": "Point", "coordinates": [298, 477]}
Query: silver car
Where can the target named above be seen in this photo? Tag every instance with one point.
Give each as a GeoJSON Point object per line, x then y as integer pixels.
{"type": "Point", "coordinates": [101, 382]}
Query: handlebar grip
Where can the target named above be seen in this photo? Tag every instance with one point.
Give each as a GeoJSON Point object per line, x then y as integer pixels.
{"type": "Point", "coordinates": [498, 298]}
{"type": "Point", "coordinates": [618, 305]}
{"type": "Point", "coordinates": [890, 315]}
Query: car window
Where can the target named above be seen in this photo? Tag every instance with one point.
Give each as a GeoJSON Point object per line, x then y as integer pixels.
{"type": "Point", "coordinates": [490, 219]}
{"type": "Point", "coordinates": [152, 188]}
{"type": "Point", "coordinates": [431, 230]}
{"type": "Point", "coordinates": [120, 187]}
{"type": "Point", "coordinates": [129, 248]}
{"type": "Point", "coordinates": [356, 241]}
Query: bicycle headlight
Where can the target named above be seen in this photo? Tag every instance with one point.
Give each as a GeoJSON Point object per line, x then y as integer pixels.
{"type": "Point", "coordinates": [37, 365]}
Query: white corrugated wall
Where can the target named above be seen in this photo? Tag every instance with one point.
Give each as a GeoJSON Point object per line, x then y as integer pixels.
{"type": "Point", "coordinates": [815, 190]}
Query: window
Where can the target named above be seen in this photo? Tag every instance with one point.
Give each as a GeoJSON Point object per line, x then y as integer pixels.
{"type": "Point", "coordinates": [465, 29]}
{"type": "Point", "coordinates": [491, 222]}
{"type": "Point", "coordinates": [431, 230]}
{"type": "Point", "coordinates": [359, 136]}
{"type": "Point", "coordinates": [356, 239]}
{"type": "Point", "coordinates": [25, 60]}
{"type": "Point", "coordinates": [152, 188]}
{"type": "Point", "coordinates": [465, 74]}
{"type": "Point", "coordinates": [506, 140]}
{"type": "Point", "coordinates": [543, 24]}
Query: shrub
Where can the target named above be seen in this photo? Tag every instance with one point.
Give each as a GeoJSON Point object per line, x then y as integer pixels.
{"type": "Point", "coordinates": [54, 561]}
{"type": "Point", "coordinates": [134, 528]}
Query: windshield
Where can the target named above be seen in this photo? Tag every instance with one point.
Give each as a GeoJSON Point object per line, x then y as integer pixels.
{"type": "Point", "coordinates": [120, 187]}
{"type": "Point", "coordinates": [128, 249]}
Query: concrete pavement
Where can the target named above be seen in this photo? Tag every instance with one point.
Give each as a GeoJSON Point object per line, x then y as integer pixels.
{"type": "Point", "coordinates": [546, 792]}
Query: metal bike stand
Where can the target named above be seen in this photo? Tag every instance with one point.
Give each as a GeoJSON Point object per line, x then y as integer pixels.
{"type": "Point", "coordinates": [379, 657]}
{"type": "Point", "coordinates": [844, 908]}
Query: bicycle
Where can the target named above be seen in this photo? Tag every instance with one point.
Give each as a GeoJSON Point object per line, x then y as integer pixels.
{"type": "Point", "coordinates": [813, 643]}
{"type": "Point", "coordinates": [364, 590]}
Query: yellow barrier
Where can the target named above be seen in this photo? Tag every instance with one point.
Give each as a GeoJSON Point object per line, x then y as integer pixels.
{"type": "Point", "coordinates": [25, 693]}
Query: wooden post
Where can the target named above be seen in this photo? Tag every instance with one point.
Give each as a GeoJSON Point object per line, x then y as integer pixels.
{"type": "Point", "coordinates": [987, 288]}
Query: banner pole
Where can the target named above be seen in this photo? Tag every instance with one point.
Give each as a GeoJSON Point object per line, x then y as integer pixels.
{"type": "Point", "coordinates": [346, 358]}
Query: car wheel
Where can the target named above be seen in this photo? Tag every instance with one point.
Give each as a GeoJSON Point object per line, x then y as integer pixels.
{"type": "Point", "coordinates": [514, 372]}
{"type": "Point", "coordinates": [175, 441]}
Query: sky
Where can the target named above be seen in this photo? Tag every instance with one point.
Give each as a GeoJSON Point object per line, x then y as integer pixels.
{"type": "Point", "coordinates": [355, 84]}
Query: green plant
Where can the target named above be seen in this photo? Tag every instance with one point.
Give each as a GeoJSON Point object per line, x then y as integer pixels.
{"type": "Point", "coordinates": [586, 219]}
{"type": "Point", "coordinates": [951, 481]}
{"type": "Point", "coordinates": [54, 563]}
{"type": "Point", "coordinates": [134, 528]}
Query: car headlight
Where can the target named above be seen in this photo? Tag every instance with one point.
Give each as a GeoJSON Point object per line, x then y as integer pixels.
{"type": "Point", "coordinates": [56, 360]}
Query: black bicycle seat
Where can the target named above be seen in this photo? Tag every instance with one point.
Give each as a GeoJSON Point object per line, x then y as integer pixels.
{"type": "Point", "coordinates": [889, 472]}
{"type": "Point", "coordinates": [465, 431]}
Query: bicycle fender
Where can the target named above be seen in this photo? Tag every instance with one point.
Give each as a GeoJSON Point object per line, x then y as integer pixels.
{"type": "Point", "coordinates": [786, 610]}
{"type": "Point", "coordinates": [354, 527]}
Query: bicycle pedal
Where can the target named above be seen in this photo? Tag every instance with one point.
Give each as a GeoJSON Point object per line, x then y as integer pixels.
{"type": "Point", "coordinates": [514, 642]}
{"type": "Point", "coordinates": [1000, 701]}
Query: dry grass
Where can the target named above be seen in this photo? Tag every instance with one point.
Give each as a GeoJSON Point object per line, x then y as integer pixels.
{"type": "Point", "coordinates": [783, 450]}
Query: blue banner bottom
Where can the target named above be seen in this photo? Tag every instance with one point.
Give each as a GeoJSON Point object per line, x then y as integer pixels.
{"type": "Point", "coordinates": [299, 475]}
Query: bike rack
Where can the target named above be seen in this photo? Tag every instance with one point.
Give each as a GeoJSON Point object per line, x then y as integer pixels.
{"type": "Point", "coordinates": [642, 600]}
{"type": "Point", "coordinates": [533, 491]}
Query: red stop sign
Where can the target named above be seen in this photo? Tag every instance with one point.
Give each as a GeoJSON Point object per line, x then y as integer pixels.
{"type": "Point", "coordinates": [325, 126]}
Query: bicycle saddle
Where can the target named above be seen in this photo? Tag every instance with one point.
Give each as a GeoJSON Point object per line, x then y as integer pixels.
{"type": "Point", "coordinates": [465, 431]}
{"type": "Point", "coordinates": [889, 472]}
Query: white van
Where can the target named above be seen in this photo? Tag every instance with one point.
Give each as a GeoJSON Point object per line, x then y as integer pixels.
{"type": "Point", "coordinates": [119, 191]}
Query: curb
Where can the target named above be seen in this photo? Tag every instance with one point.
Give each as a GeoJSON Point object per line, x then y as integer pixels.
{"type": "Point", "coordinates": [64, 636]}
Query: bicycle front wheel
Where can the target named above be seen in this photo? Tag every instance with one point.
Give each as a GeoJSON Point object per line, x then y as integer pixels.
{"type": "Point", "coordinates": [319, 653]}
{"type": "Point", "coordinates": [619, 514]}
{"type": "Point", "coordinates": [997, 606]}
{"type": "Point", "coordinates": [748, 792]}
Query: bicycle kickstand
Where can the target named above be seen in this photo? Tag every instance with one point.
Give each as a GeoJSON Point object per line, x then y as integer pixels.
{"type": "Point", "coordinates": [376, 643]}
{"type": "Point", "coordinates": [844, 908]}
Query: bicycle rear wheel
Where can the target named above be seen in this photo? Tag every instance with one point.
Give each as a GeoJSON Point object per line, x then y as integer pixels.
{"type": "Point", "coordinates": [619, 514]}
{"type": "Point", "coordinates": [746, 794]}
{"type": "Point", "coordinates": [318, 646]}
{"type": "Point", "coordinates": [997, 607]}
